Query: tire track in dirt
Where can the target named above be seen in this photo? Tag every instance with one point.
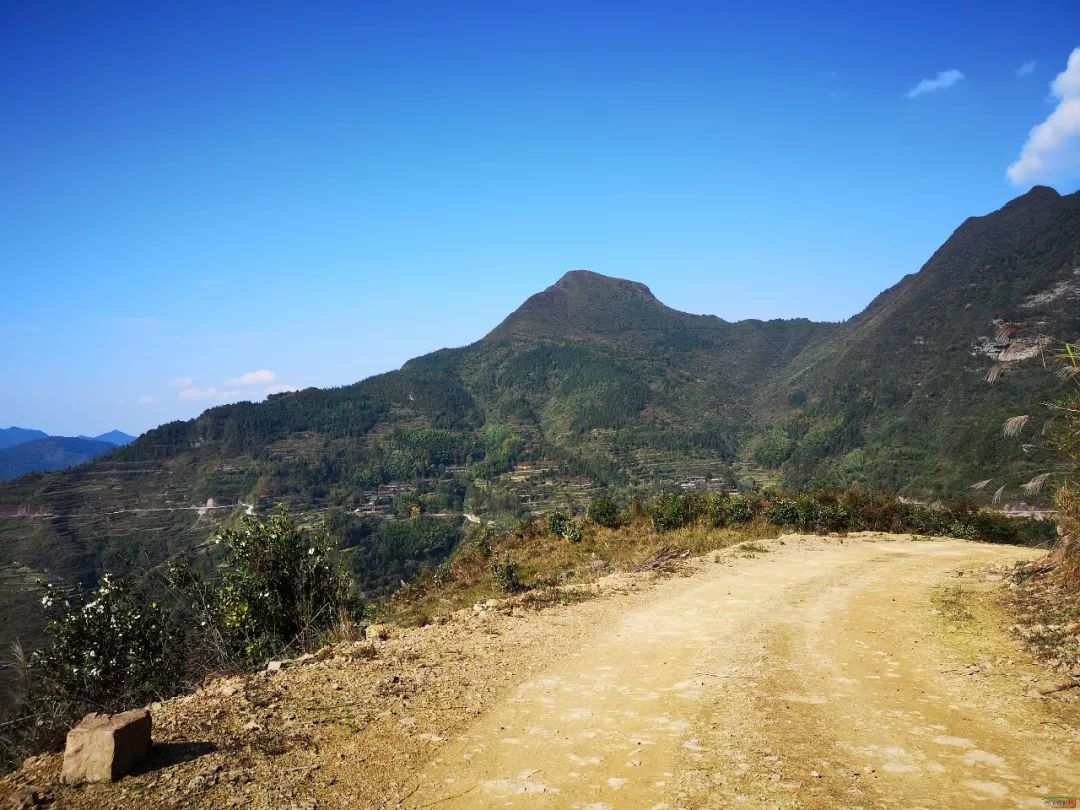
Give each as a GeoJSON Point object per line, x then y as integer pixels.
{"type": "Point", "coordinates": [818, 675]}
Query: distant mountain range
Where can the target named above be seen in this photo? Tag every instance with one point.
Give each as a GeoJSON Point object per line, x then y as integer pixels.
{"type": "Point", "coordinates": [24, 450]}
{"type": "Point", "coordinates": [590, 384]}
{"type": "Point", "coordinates": [117, 438]}
{"type": "Point", "coordinates": [17, 435]}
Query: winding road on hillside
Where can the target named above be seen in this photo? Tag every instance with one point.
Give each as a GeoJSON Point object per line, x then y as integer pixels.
{"type": "Point", "coordinates": [855, 674]}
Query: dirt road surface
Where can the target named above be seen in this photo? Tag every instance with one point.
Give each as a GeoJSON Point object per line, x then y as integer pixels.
{"type": "Point", "coordinates": [852, 675]}
{"type": "Point", "coordinates": [864, 672]}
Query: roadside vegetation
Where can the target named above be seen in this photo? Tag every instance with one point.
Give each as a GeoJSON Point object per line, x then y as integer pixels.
{"type": "Point", "coordinates": [274, 588]}
{"type": "Point", "coordinates": [542, 553]}
{"type": "Point", "coordinates": [1044, 598]}
{"type": "Point", "coordinates": [270, 589]}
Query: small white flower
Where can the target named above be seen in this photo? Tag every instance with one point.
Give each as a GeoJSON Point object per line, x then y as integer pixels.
{"type": "Point", "coordinates": [311, 551]}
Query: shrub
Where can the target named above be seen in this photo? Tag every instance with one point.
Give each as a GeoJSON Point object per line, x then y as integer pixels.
{"type": "Point", "coordinates": [716, 511]}
{"type": "Point", "coordinates": [573, 531]}
{"type": "Point", "coordinates": [481, 543]}
{"type": "Point", "coordinates": [562, 525]}
{"type": "Point", "coordinates": [833, 517]}
{"type": "Point", "coordinates": [557, 522]}
{"type": "Point", "coordinates": [783, 512]}
{"type": "Point", "coordinates": [505, 572]}
{"type": "Point", "coordinates": [739, 511]}
{"type": "Point", "coordinates": [111, 650]}
{"type": "Point", "coordinates": [442, 574]}
{"type": "Point", "coordinates": [668, 511]}
{"type": "Point", "coordinates": [994, 527]}
{"type": "Point", "coordinates": [280, 586]}
{"type": "Point", "coordinates": [603, 511]}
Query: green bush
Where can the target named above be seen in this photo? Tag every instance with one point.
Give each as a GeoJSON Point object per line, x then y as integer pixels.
{"type": "Point", "coordinates": [111, 650]}
{"type": "Point", "coordinates": [481, 542]}
{"type": "Point", "coordinates": [573, 531]}
{"type": "Point", "coordinates": [603, 511]}
{"type": "Point", "coordinates": [717, 509]}
{"type": "Point", "coordinates": [668, 511]}
{"type": "Point", "coordinates": [505, 572]}
{"type": "Point", "coordinates": [557, 522]}
{"type": "Point", "coordinates": [856, 509]}
{"type": "Point", "coordinates": [562, 525]}
{"type": "Point", "coordinates": [739, 511]}
{"type": "Point", "coordinates": [442, 574]}
{"type": "Point", "coordinates": [281, 586]}
{"type": "Point", "coordinates": [782, 512]}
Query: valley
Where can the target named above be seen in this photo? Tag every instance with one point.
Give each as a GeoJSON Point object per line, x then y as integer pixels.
{"type": "Point", "coordinates": [590, 386]}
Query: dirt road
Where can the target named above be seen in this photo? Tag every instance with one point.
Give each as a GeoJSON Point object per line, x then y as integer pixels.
{"type": "Point", "coordinates": [815, 675]}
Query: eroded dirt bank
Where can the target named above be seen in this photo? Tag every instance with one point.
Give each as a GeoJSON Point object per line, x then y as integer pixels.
{"type": "Point", "coordinates": [868, 672]}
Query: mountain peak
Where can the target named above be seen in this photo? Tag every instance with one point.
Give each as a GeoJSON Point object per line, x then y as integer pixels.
{"type": "Point", "coordinates": [583, 304]}
{"type": "Point", "coordinates": [1037, 198]}
{"type": "Point", "coordinates": [591, 282]}
{"type": "Point", "coordinates": [1041, 191]}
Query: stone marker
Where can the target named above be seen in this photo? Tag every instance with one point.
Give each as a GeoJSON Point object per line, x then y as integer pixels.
{"type": "Point", "coordinates": [104, 747]}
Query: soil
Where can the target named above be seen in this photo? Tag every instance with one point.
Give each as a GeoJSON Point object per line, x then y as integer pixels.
{"type": "Point", "coordinates": [868, 671]}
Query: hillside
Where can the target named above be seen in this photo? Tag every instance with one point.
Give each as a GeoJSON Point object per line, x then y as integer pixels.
{"type": "Point", "coordinates": [897, 397]}
{"type": "Point", "coordinates": [17, 435]}
{"type": "Point", "coordinates": [591, 383]}
{"type": "Point", "coordinates": [49, 453]}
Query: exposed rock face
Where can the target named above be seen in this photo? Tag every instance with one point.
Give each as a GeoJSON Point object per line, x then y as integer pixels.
{"type": "Point", "coordinates": [104, 747]}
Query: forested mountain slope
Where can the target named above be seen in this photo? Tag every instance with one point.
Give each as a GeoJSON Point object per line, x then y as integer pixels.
{"type": "Point", "coordinates": [898, 396]}
{"type": "Point", "coordinates": [590, 383]}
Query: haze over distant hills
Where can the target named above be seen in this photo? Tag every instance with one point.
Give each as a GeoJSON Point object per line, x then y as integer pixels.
{"type": "Point", "coordinates": [593, 383]}
{"type": "Point", "coordinates": [18, 435]}
{"type": "Point", "coordinates": [24, 450]}
{"type": "Point", "coordinates": [117, 438]}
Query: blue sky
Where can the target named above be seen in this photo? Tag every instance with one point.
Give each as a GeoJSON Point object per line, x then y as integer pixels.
{"type": "Point", "coordinates": [317, 192]}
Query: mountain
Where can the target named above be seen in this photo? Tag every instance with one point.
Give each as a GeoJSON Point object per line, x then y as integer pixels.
{"type": "Point", "coordinates": [25, 451]}
{"type": "Point", "coordinates": [50, 453]}
{"type": "Point", "coordinates": [116, 438]}
{"type": "Point", "coordinates": [897, 397]}
{"type": "Point", "coordinates": [17, 435]}
{"type": "Point", "coordinates": [590, 383]}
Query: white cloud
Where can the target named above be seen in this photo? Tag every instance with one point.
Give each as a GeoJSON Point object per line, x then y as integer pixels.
{"type": "Point", "coordinates": [943, 81]}
{"type": "Point", "coordinates": [208, 393]}
{"type": "Point", "coordinates": [263, 375]}
{"type": "Point", "coordinates": [146, 399]}
{"type": "Point", "coordinates": [1025, 69]}
{"type": "Point", "coordinates": [181, 382]}
{"type": "Point", "coordinates": [1052, 150]}
{"type": "Point", "coordinates": [280, 388]}
{"type": "Point", "coordinates": [198, 393]}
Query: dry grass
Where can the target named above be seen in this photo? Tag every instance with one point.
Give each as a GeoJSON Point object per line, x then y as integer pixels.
{"type": "Point", "coordinates": [545, 561]}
